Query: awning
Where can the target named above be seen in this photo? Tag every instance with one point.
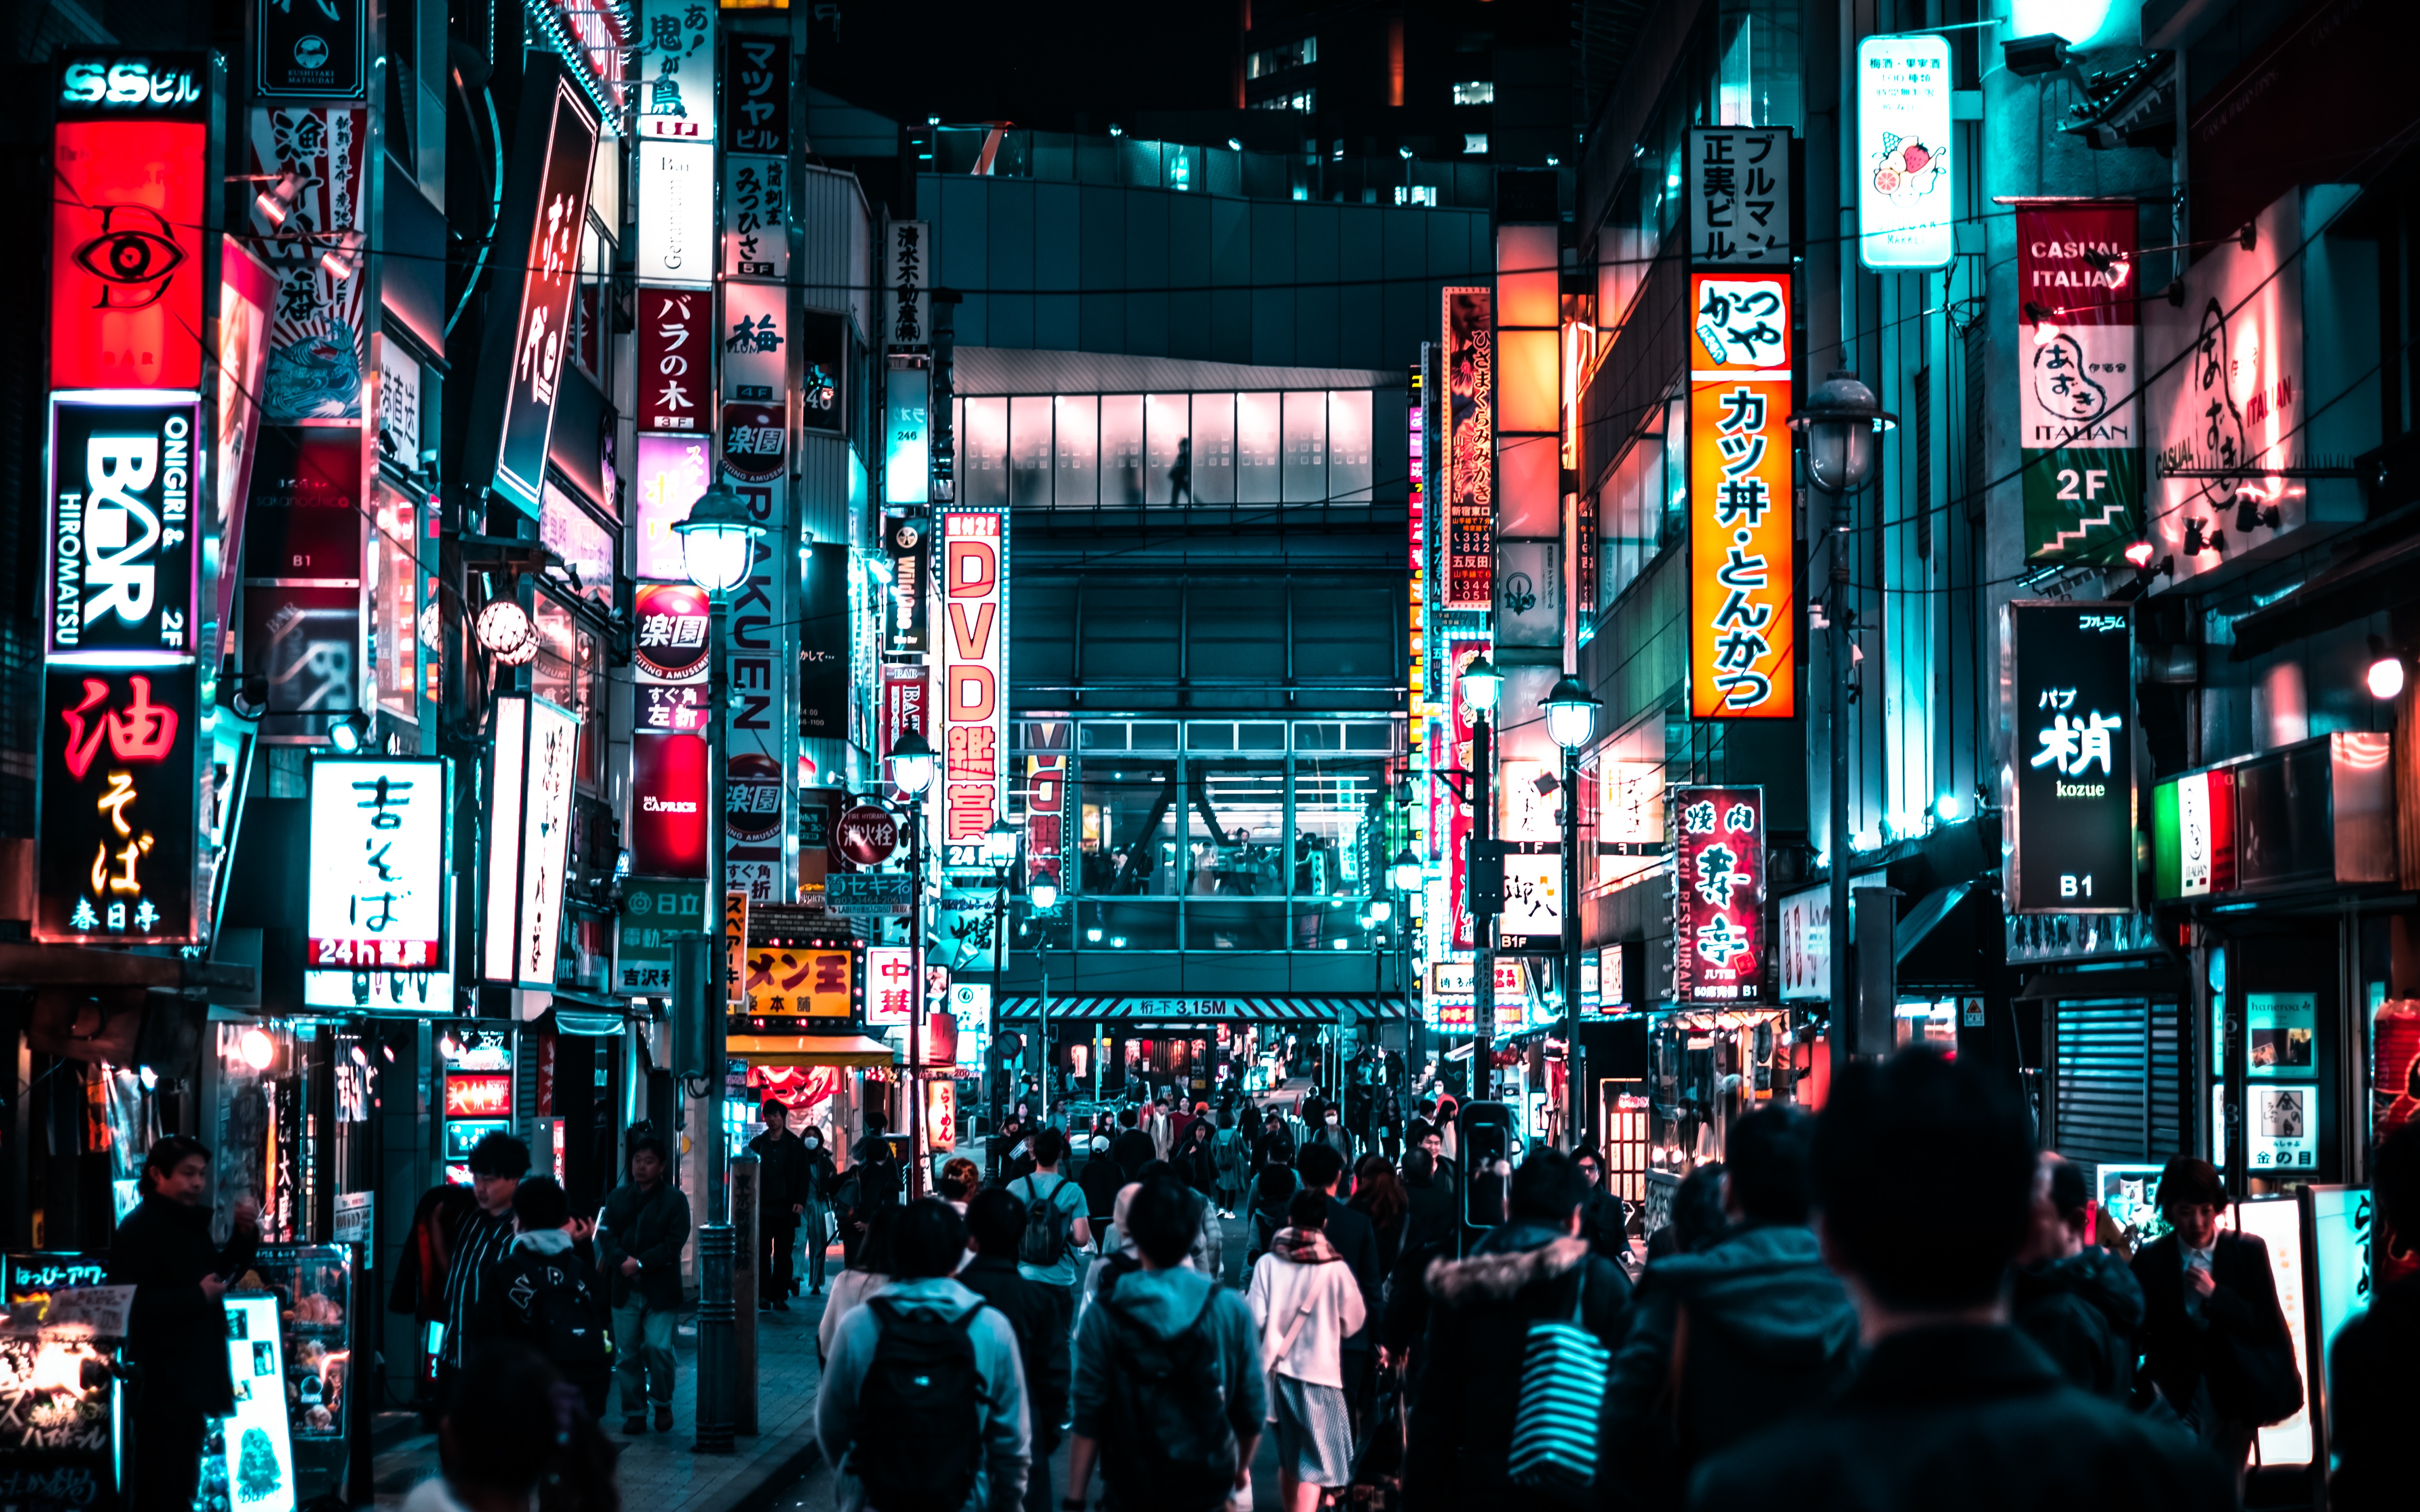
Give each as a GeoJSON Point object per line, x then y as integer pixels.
{"type": "Point", "coordinates": [1940, 942]}
{"type": "Point", "coordinates": [809, 1050]}
{"type": "Point", "coordinates": [1289, 1010]}
{"type": "Point", "coordinates": [2114, 982]}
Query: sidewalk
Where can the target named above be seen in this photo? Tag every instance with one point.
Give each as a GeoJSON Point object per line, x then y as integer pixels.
{"type": "Point", "coordinates": [659, 1472]}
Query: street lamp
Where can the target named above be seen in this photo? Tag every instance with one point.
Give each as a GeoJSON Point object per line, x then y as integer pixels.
{"type": "Point", "coordinates": [1571, 719]}
{"type": "Point", "coordinates": [1482, 686]}
{"type": "Point", "coordinates": [718, 550]}
{"type": "Point", "coordinates": [1000, 854]}
{"type": "Point", "coordinates": [911, 773]}
{"type": "Point", "coordinates": [1404, 872]}
{"type": "Point", "coordinates": [1839, 423]}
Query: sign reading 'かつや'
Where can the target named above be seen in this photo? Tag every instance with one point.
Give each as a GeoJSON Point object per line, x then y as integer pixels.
{"type": "Point", "coordinates": [1743, 573]}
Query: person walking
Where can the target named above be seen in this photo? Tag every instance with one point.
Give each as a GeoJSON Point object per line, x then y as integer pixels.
{"type": "Point", "coordinates": [1534, 1269]}
{"type": "Point", "coordinates": [1132, 1148]}
{"type": "Point", "coordinates": [517, 1436]}
{"type": "Point", "coordinates": [1304, 1302]}
{"type": "Point", "coordinates": [1731, 1339]}
{"type": "Point", "coordinates": [1040, 1314]}
{"type": "Point", "coordinates": [1923, 1174]}
{"type": "Point", "coordinates": [1100, 1176]}
{"type": "Point", "coordinates": [1378, 1196]}
{"type": "Point", "coordinates": [780, 1203]}
{"type": "Point", "coordinates": [1196, 1164]}
{"type": "Point", "coordinates": [870, 1185]}
{"type": "Point", "coordinates": [1228, 1153]}
{"type": "Point", "coordinates": [1329, 1130]}
{"type": "Point", "coordinates": [869, 1271]}
{"type": "Point", "coordinates": [176, 1330]}
{"type": "Point", "coordinates": [1168, 1392]}
{"type": "Point", "coordinates": [1602, 1222]}
{"type": "Point", "coordinates": [1322, 1169]}
{"type": "Point", "coordinates": [639, 1248]}
{"type": "Point", "coordinates": [2077, 1301]}
{"type": "Point", "coordinates": [498, 1162]}
{"type": "Point", "coordinates": [545, 1292]}
{"type": "Point", "coordinates": [2373, 1399]}
{"type": "Point", "coordinates": [1051, 1253]}
{"type": "Point", "coordinates": [814, 1217]}
{"type": "Point", "coordinates": [2214, 1339]}
{"type": "Point", "coordinates": [1272, 1197]}
{"type": "Point", "coordinates": [922, 1404]}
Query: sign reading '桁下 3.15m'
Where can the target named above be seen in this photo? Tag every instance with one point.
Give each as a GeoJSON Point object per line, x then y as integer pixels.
{"type": "Point", "coordinates": [2069, 835]}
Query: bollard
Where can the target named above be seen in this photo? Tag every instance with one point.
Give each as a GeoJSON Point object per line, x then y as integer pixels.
{"type": "Point", "coordinates": [714, 1341]}
{"type": "Point", "coordinates": [747, 1281]}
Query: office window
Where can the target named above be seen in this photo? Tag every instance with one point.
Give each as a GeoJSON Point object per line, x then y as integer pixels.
{"type": "Point", "coordinates": [983, 452]}
{"type": "Point", "coordinates": [1028, 451]}
{"type": "Point", "coordinates": [1474, 141]}
{"type": "Point", "coordinates": [1130, 819]}
{"type": "Point", "coordinates": [1075, 476]}
{"type": "Point", "coordinates": [1214, 448]}
{"type": "Point", "coordinates": [1168, 477]}
{"type": "Point", "coordinates": [1475, 92]}
{"type": "Point", "coordinates": [1257, 448]}
{"type": "Point", "coordinates": [1270, 60]}
{"type": "Point", "coordinates": [1338, 804]}
{"type": "Point", "coordinates": [1122, 451]}
{"type": "Point", "coordinates": [1303, 476]}
{"type": "Point", "coordinates": [1349, 478]}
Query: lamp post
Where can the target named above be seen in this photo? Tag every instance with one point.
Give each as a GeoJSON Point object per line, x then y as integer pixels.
{"type": "Point", "coordinates": [1000, 852]}
{"type": "Point", "coordinates": [911, 773]}
{"type": "Point", "coordinates": [1571, 719]}
{"type": "Point", "coordinates": [1839, 421]}
{"type": "Point", "coordinates": [1482, 686]}
{"type": "Point", "coordinates": [1403, 874]}
{"type": "Point", "coordinates": [1042, 893]}
{"type": "Point", "coordinates": [718, 551]}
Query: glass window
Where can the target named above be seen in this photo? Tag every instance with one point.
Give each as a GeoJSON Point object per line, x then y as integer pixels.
{"type": "Point", "coordinates": [1214, 448]}
{"type": "Point", "coordinates": [1130, 827]}
{"type": "Point", "coordinates": [566, 673]}
{"type": "Point", "coordinates": [1121, 451]}
{"type": "Point", "coordinates": [983, 452]}
{"type": "Point", "coordinates": [395, 577]}
{"type": "Point", "coordinates": [1256, 448]}
{"type": "Point", "coordinates": [1337, 806]}
{"type": "Point", "coordinates": [1235, 836]}
{"type": "Point", "coordinates": [1304, 474]}
{"type": "Point", "coordinates": [1029, 452]}
{"type": "Point", "coordinates": [1349, 475]}
{"type": "Point", "coordinates": [1475, 92]}
{"type": "Point", "coordinates": [1076, 478]}
{"type": "Point", "coordinates": [1167, 479]}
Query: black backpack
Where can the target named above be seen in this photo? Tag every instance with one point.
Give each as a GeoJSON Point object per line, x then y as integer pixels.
{"type": "Point", "coordinates": [922, 1400]}
{"type": "Point", "coordinates": [567, 1322]}
{"type": "Point", "coordinates": [1170, 1446]}
{"type": "Point", "coordinates": [1046, 1225]}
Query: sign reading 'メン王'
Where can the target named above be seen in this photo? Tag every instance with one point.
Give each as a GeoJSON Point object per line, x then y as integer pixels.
{"type": "Point", "coordinates": [971, 611]}
{"type": "Point", "coordinates": [2070, 832]}
{"type": "Point", "coordinates": [1743, 576]}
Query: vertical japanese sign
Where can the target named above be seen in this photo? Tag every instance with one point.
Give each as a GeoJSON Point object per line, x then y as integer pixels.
{"type": "Point", "coordinates": [756, 201]}
{"type": "Point", "coordinates": [546, 202]}
{"type": "Point", "coordinates": [672, 471]}
{"type": "Point", "coordinates": [2066, 677]}
{"type": "Point", "coordinates": [757, 93]}
{"type": "Point", "coordinates": [653, 912]}
{"type": "Point", "coordinates": [676, 358]}
{"type": "Point", "coordinates": [904, 693]}
{"type": "Point", "coordinates": [1905, 201]}
{"type": "Point", "coordinates": [1460, 817]}
{"type": "Point", "coordinates": [1718, 894]}
{"type": "Point", "coordinates": [759, 725]}
{"type": "Point", "coordinates": [1739, 197]}
{"type": "Point", "coordinates": [907, 299]}
{"type": "Point", "coordinates": [125, 555]}
{"type": "Point", "coordinates": [1743, 572]}
{"type": "Point", "coordinates": [676, 213]}
{"type": "Point", "coordinates": [903, 622]}
{"type": "Point", "coordinates": [668, 658]}
{"type": "Point", "coordinates": [2083, 478]}
{"type": "Point", "coordinates": [1416, 544]}
{"type": "Point", "coordinates": [970, 610]}
{"type": "Point", "coordinates": [596, 38]}
{"type": "Point", "coordinates": [889, 986]}
{"type": "Point", "coordinates": [121, 806]}
{"type": "Point", "coordinates": [673, 69]}
{"type": "Point", "coordinates": [1470, 448]}
{"type": "Point", "coordinates": [315, 332]}
{"type": "Point", "coordinates": [129, 173]}
{"type": "Point", "coordinates": [1049, 800]}
{"type": "Point", "coordinates": [546, 839]}
{"type": "Point", "coordinates": [755, 341]}
{"type": "Point", "coordinates": [374, 919]}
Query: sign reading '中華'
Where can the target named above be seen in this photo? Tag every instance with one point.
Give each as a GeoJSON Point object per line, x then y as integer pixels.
{"type": "Point", "coordinates": [2069, 845]}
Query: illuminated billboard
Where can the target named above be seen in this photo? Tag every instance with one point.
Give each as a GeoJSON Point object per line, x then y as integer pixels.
{"type": "Point", "coordinates": [970, 612]}
{"type": "Point", "coordinates": [1743, 567]}
{"type": "Point", "coordinates": [378, 895]}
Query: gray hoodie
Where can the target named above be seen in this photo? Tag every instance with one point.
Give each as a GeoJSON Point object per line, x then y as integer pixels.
{"type": "Point", "coordinates": [1165, 1302]}
{"type": "Point", "coordinates": [1006, 1432]}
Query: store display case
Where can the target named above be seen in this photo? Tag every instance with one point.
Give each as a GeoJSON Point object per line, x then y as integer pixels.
{"type": "Point", "coordinates": [313, 1290]}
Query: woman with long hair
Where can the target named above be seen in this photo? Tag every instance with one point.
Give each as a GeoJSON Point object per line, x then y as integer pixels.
{"type": "Point", "coordinates": [869, 1271]}
{"type": "Point", "coordinates": [1272, 1190]}
{"type": "Point", "coordinates": [1378, 1194]}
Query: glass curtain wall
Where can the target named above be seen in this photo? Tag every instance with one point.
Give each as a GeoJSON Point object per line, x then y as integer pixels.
{"type": "Point", "coordinates": [1125, 451]}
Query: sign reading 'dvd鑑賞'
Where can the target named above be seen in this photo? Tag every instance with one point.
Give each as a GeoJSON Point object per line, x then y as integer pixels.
{"type": "Point", "coordinates": [1718, 894]}
{"type": "Point", "coordinates": [970, 599]}
{"type": "Point", "coordinates": [2069, 845]}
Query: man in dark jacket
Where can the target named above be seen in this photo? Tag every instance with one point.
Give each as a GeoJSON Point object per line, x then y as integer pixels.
{"type": "Point", "coordinates": [2071, 1297]}
{"type": "Point", "coordinates": [1132, 1148]}
{"type": "Point", "coordinates": [639, 1248]}
{"type": "Point", "coordinates": [1533, 1268]}
{"type": "Point", "coordinates": [1924, 1172]}
{"type": "Point", "coordinates": [2373, 1399]}
{"type": "Point", "coordinates": [545, 1292]}
{"type": "Point", "coordinates": [176, 1330]}
{"type": "Point", "coordinates": [1037, 1311]}
{"type": "Point", "coordinates": [780, 1202]}
{"type": "Point", "coordinates": [1602, 1222]}
{"type": "Point", "coordinates": [1431, 1231]}
{"type": "Point", "coordinates": [2214, 1339]}
{"type": "Point", "coordinates": [1754, 1327]}
{"type": "Point", "coordinates": [498, 1162]}
{"type": "Point", "coordinates": [1322, 1167]}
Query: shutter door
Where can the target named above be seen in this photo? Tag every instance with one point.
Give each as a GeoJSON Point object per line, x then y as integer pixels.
{"type": "Point", "coordinates": [2118, 1081]}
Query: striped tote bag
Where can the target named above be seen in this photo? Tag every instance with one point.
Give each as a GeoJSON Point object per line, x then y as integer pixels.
{"type": "Point", "coordinates": [1563, 1372]}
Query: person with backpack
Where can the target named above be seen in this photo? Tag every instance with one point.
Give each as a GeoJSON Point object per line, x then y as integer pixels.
{"type": "Point", "coordinates": [545, 1292]}
{"type": "Point", "coordinates": [1739, 1335]}
{"type": "Point", "coordinates": [1170, 1396]}
{"type": "Point", "coordinates": [515, 1435]}
{"type": "Point", "coordinates": [867, 1273]}
{"type": "Point", "coordinates": [923, 1405]}
{"type": "Point", "coordinates": [1530, 1284]}
{"type": "Point", "coordinates": [639, 1248]}
{"type": "Point", "coordinates": [1057, 1227]}
{"type": "Point", "coordinates": [873, 1182]}
{"type": "Point", "coordinates": [1305, 1301]}
{"type": "Point", "coordinates": [1038, 1313]}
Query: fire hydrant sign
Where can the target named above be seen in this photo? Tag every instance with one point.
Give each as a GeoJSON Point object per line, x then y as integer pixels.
{"type": "Point", "coordinates": [1718, 894]}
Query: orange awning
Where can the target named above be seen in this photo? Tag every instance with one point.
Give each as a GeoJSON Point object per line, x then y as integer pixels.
{"type": "Point", "coordinates": [809, 1050]}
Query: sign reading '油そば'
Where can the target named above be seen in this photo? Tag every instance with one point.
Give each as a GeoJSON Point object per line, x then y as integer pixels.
{"type": "Point", "coordinates": [2068, 669]}
{"type": "Point", "coordinates": [1743, 573]}
{"type": "Point", "coordinates": [971, 611]}
{"type": "Point", "coordinates": [1718, 894]}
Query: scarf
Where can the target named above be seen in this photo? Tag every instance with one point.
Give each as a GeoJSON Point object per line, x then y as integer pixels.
{"type": "Point", "coordinates": [1303, 1246]}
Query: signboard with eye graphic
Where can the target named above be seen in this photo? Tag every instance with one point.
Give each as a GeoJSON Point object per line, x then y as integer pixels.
{"type": "Point", "coordinates": [2082, 479]}
{"type": "Point", "coordinates": [129, 264]}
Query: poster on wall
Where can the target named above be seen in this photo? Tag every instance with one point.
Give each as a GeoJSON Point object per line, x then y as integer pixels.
{"type": "Point", "coordinates": [2079, 414]}
{"type": "Point", "coordinates": [124, 548]}
{"type": "Point", "coordinates": [2068, 841]}
{"type": "Point", "coordinates": [1905, 199]}
{"type": "Point", "coordinates": [1743, 572]}
{"type": "Point", "coordinates": [971, 606]}
{"type": "Point", "coordinates": [671, 66]}
{"type": "Point", "coordinates": [1469, 448]}
{"type": "Point", "coordinates": [121, 806]}
{"type": "Point", "coordinates": [129, 167]}
{"type": "Point", "coordinates": [316, 354]}
{"type": "Point", "coordinates": [1718, 938]}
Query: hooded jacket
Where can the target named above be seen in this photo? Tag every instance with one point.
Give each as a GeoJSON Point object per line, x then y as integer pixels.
{"type": "Point", "coordinates": [1165, 1302]}
{"type": "Point", "coordinates": [1303, 1286]}
{"type": "Point", "coordinates": [1743, 1334]}
{"type": "Point", "coordinates": [1003, 1412]}
{"type": "Point", "coordinates": [2083, 1312]}
{"type": "Point", "coordinates": [1470, 1387]}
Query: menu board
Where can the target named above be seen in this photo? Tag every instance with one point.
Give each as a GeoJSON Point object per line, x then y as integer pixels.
{"type": "Point", "coordinates": [312, 1288]}
{"type": "Point", "coordinates": [248, 1458]}
{"type": "Point", "coordinates": [2277, 1223]}
{"type": "Point", "coordinates": [57, 1453]}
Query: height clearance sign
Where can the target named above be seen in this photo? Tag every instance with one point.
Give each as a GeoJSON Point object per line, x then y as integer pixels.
{"type": "Point", "coordinates": [1742, 579]}
{"type": "Point", "coordinates": [970, 617]}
